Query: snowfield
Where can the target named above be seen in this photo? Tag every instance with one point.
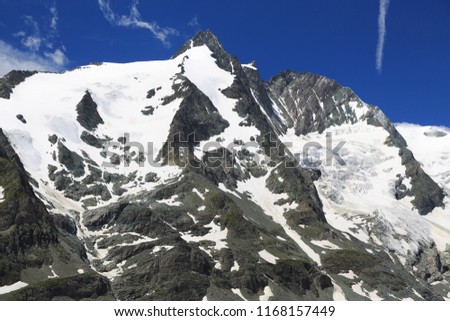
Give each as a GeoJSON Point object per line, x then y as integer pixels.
{"type": "Point", "coordinates": [359, 198]}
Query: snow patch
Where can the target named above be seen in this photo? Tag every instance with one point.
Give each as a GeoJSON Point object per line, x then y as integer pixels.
{"type": "Point", "coordinates": [268, 257]}
{"type": "Point", "coordinates": [418, 294]}
{"type": "Point", "coordinates": [215, 234]}
{"type": "Point", "coordinates": [349, 275]}
{"type": "Point", "coordinates": [235, 267]}
{"type": "Point", "coordinates": [373, 295]}
{"type": "Point", "coordinates": [192, 217]}
{"type": "Point", "coordinates": [267, 294]}
{"type": "Point", "coordinates": [249, 66]}
{"type": "Point", "coordinates": [338, 293]}
{"type": "Point", "coordinates": [2, 195]}
{"type": "Point", "coordinates": [171, 201]}
{"type": "Point", "coordinates": [199, 194]}
{"type": "Point", "coordinates": [54, 275]}
{"type": "Point", "coordinates": [326, 245]}
{"type": "Point", "coordinates": [239, 293]}
{"type": "Point", "coordinates": [13, 287]}
{"type": "Point", "coordinates": [157, 249]}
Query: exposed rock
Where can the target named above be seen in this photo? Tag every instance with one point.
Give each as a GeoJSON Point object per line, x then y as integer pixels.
{"type": "Point", "coordinates": [311, 102]}
{"type": "Point", "coordinates": [73, 162]}
{"type": "Point", "coordinates": [148, 110]}
{"type": "Point", "coordinates": [11, 80]}
{"type": "Point", "coordinates": [88, 116]}
{"type": "Point", "coordinates": [65, 224]}
{"type": "Point", "coordinates": [151, 93]}
{"type": "Point", "coordinates": [427, 193]}
{"type": "Point", "coordinates": [80, 287]}
{"type": "Point", "coordinates": [197, 119]}
{"type": "Point", "coordinates": [21, 118]}
{"type": "Point", "coordinates": [151, 177]}
{"type": "Point", "coordinates": [91, 140]}
{"type": "Point", "coordinates": [52, 139]}
{"type": "Point", "coordinates": [428, 264]}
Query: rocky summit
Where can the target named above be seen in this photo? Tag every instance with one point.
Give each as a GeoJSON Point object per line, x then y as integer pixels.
{"type": "Point", "coordinates": [194, 179]}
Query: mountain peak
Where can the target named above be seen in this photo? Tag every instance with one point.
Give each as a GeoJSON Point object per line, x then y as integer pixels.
{"type": "Point", "coordinates": [206, 37]}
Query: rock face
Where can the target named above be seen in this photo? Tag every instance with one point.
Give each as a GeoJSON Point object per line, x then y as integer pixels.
{"type": "Point", "coordinates": [312, 103]}
{"type": "Point", "coordinates": [75, 288]}
{"type": "Point", "coordinates": [30, 241]}
{"type": "Point", "coordinates": [24, 219]}
{"type": "Point", "coordinates": [88, 115]}
{"type": "Point", "coordinates": [11, 80]}
{"type": "Point", "coordinates": [198, 188]}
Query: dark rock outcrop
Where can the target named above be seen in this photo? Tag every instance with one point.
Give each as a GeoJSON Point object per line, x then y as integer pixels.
{"type": "Point", "coordinates": [75, 288]}
{"type": "Point", "coordinates": [88, 115]}
{"type": "Point", "coordinates": [11, 80]}
{"type": "Point", "coordinates": [73, 162]}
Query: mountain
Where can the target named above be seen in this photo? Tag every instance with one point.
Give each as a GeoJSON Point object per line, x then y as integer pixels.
{"type": "Point", "coordinates": [193, 179]}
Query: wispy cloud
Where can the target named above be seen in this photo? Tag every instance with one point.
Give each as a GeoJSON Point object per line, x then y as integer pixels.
{"type": "Point", "coordinates": [58, 57]}
{"type": "Point", "coordinates": [384, 4]}
{"type": "Point", "coordinates": [41, 47]}
{"type": "Point", "coordinates": [13, 58]}
{"type": "Point", "coordinates": [194, 22]}
{"type": "Point", "coordinates": [33, 40]}
{"type": "Point", "coordinates": [54, 18]}
{"type": "Point", "coordinates": [134, 19]}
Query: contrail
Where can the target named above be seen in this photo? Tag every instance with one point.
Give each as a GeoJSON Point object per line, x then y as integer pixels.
{"type": "Point", "coordinates": [384, 4]}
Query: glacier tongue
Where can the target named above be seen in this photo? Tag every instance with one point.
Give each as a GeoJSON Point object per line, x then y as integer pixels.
{"type": "Point", "coordinates": [359, 197]}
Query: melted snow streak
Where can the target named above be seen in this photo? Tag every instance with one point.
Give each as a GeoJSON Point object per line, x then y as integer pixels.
{"type": "Point", "coordinates": [259, 193]}
{"type": "Point", "coordinates": [359, 197]}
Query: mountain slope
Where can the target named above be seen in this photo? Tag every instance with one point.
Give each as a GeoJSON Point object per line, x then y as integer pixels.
{"type": "Point", "coordinates": [177, 178]}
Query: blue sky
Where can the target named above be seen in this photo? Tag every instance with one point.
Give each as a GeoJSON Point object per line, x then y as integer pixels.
{"type": "Point", "coordinates": [401, 64]}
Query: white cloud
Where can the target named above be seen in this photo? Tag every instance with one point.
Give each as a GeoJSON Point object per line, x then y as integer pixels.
{"type": "Point", "coordinates": [54, 18]}
{"type": "Point", "coordinates": [134, 20]}
{"type": "Point", "coordinates": [58, 57]}
{"type": "Point", "coordinates": [42, 49]}
{"type": "Point", "coordinates": [384, 4]}
{"type": "Point", "coordinates": [33, 43]}
{"type": "Point", "coordinates": [13, 58]}
{"type": "Point", "coordinates": [34, 40]}
{"type": "Point", "coordinates": [19, 34]}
